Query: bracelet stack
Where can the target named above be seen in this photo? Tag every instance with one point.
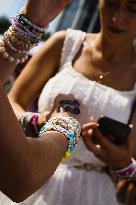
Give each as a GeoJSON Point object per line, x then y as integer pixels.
{"type": "Point", "coordinates": [128, 172]}
{"type": "Point", "coordinates": [21, 36]}
{"type": "Point", "coordinates": [29, 124]}
{"type": "Point", "coordinates": [68, 126]}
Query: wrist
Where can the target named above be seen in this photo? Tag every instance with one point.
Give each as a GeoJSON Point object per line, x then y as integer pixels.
{"type": "Point", "coordinates": [128, 172]}
{"type": "Point", "coordinates": [34, 19]}
{"type": "Point", "coordinates": [122, 165]}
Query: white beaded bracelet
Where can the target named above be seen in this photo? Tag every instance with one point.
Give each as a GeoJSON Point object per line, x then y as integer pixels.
{"type": "Point", "coordinates": [10, 58]}
{"type": "Point", "coordinates": [128, 172]}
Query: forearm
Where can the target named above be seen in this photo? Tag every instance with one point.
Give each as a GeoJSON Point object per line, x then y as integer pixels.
{"type": "Point", "coordinates": [46, 153]}
{"type": "Point", "coordinates": [27, 162]}
{"type": "Point", "coordinates": [41, 159]}
{"type": "Point", "coordinates": [18, 109]}
{"type": "Point", "coordinates": [6, 68]}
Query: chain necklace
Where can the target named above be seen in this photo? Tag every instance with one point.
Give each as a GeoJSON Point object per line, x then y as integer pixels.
{"type": "Point", "coordinates": [98, 74]}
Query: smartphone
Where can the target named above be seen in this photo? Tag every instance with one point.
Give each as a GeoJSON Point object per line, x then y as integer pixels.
{"type": "Point", "coordinates": [115, 131]}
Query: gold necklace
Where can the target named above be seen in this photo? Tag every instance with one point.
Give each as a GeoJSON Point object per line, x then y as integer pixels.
{"type": "Point", "coordinates": [98, 75]}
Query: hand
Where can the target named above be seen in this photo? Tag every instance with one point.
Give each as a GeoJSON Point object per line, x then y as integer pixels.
{"type": "Point", "coordinates": [116, 157]}
{"type": "Point", "coordinates": [42, 118]}
{"type": "Point", "coordinates": [42, 12]}
{"type": "Point", "coordinates": [126, 192]}
{"type": "Point", "coordinates": [66, 103]}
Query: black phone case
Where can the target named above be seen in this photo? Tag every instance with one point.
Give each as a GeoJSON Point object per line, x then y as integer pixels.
{"type": "Point", "coordinates": [115, 131]}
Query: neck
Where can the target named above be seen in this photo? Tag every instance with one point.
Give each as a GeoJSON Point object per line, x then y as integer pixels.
{"type": "Point", "coordinates": [115, 51]}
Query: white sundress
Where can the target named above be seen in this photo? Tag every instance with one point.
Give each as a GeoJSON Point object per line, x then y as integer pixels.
{"type": "Point", "coordinates": [69, 185]}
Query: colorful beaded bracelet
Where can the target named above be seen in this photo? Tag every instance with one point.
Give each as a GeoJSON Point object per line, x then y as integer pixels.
{"type": "Point", "coordinates": [29, 122]}
{"type": "Point", "coordinates": [128, 172]}
{"type": "Point", "coordinates": [20, 38]}
{"type": "Point", "coordinates": [68, 126]}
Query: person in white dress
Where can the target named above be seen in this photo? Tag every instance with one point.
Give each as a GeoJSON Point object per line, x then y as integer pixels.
{"type": "Point", "coordinates": [14, 147]}
{"type": "Point", "coordinates": [100, 70]}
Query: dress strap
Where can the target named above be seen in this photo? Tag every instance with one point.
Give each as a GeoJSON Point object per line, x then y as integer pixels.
{"type": "Point", "coordinates": [72, 44]}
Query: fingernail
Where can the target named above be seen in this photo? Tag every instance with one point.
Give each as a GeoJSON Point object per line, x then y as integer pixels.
{"type": "Point", "coordinates": [91, 118]}
{"type": "Point", "coordinates": [131, 126]}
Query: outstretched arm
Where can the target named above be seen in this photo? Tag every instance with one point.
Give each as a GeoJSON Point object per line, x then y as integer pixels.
{"type": "Point", "coordinates": [26, 164]}
{"type": "Point", "coordinates": [40, 13]}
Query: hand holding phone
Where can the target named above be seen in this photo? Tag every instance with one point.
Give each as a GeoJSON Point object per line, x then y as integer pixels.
{"type": "Point", "coordinates": [115, 131]}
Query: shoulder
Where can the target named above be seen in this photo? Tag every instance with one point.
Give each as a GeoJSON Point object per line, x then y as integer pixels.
{"type": "Point", "coordinates": [91, 36]}
{"type": "Point", "coordinates": [58, 37]}
{"type": "Point", "coordinates": [54, 44]}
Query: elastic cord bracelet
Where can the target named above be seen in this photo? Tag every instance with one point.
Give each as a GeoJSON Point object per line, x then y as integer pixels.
{"type": "Point", "coordinates": [10, 58]}
{"type": "Point", "coordinates": [33, 123]}
{"type": "Point", "coordinates": [20, 38]}
{"type": "Point", "coordinates": [68, 126]}
{"type": "Point", "coordinates": [29, 122]}
{"type": "Point", "coordinates": [128, 172]}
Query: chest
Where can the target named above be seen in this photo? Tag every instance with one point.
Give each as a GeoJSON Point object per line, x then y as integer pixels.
{"type": "Point", "coordinates": [118, 77]}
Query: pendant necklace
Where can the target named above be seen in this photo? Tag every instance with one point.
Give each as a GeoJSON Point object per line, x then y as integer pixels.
{"type": "Point", "coordinates": [98, 74]}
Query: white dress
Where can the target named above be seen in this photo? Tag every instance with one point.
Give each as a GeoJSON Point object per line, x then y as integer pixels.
{"type": "Point", "coordinates": [70, 185]}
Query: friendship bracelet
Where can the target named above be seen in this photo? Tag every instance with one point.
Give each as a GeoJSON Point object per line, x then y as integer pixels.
{"type": "Point", "coordinates": [29, 122]}
{"type": "Point", "coordinates": [128, 172]}
{"type": "Point", "coordinates": [21, 36]}
{"type": "Point", "coordinates": [68, 134]}
{"type": "Point", "coordinates": [68, 126]}
{"type": "Point", "coordinates": [33, 123]}
{"type": "Point", "coordinates": [28, 25]}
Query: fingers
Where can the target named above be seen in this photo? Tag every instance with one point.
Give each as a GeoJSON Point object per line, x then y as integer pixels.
{"type": "Point", "coordinates": [97, 149]}
{"type": "Point", "coordinates": [103, 141]}
{"type": "Point", "coordinates": [90, 125]}
{"type": "Point", "coordinates": [69, 105]}
{"type": "Point", "coordinates": [100, 138]}
{"type": "Point", "coordinates": [90, 145]}
{"type": "Point", "coordinates": [87, 129]}
{"type": "Point", "coordinates": [127, 190]}
{"type": "Point", "coordinates": [130, 193]}
{"type": "Point", "coordinates": [120, 187]}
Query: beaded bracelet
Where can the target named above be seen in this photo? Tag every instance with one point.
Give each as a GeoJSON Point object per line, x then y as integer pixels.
{"type": "Point", "coordinates": [29, 123]}
{"type": "Point", "coordinates": [40, 29]}
{"type": "Point", "coordinates": [128, 172]}
{"type": "Point", "coordinates": [68, 126]}
{"type": "Point", "coordinates": [27, 24]}
{"type": "Point", "coordinates": [21, 36]}
{"type": "Point", "coordinates": [10, 58]}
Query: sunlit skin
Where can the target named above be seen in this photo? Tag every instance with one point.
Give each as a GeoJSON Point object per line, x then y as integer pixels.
{"type": "Point", "coordinates": [113, 46]}
{"type": "Point", "coordinates": [112, 52]}
{"type": "Point", "coordinates": [117, 22]}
